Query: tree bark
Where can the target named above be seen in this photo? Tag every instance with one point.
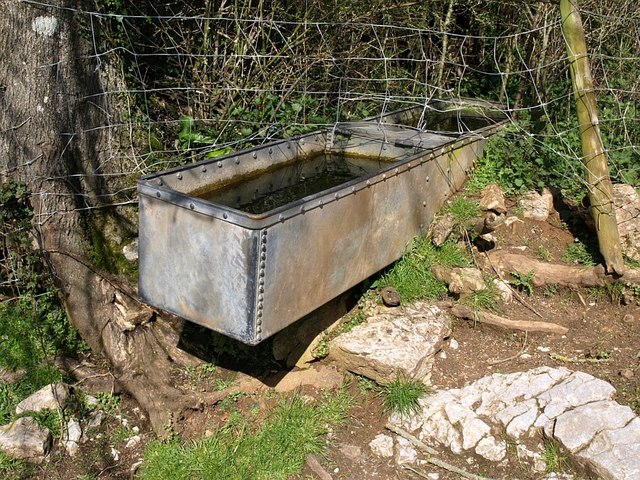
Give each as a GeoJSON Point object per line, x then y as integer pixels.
{"type": "Point", "coordinates": [594, 157]}
{"type": "Point", "coordinates": [52, 138]}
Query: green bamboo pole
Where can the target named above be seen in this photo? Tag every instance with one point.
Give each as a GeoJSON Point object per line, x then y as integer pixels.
{"type": "Point", "coordinates": [593, 154]}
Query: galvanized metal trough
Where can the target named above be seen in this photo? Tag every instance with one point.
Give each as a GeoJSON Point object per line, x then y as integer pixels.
{"type": "Point", "coordinates": [248, 243]}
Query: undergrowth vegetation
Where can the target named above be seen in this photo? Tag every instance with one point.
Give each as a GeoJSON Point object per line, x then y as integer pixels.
{"type": "Point", "coordinates": [33, 324]}
{"type": "Point", "coordinates": [412, 275]}
{"type": "Point", "coordinates": [275, 449]}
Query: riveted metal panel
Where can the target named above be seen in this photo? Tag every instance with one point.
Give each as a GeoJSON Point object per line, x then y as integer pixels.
{"type": "Point", "coordinates": [251, 275]}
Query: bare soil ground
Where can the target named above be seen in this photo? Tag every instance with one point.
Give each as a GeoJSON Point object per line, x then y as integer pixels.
{"type": "Point", "coordinates": [603, 340]}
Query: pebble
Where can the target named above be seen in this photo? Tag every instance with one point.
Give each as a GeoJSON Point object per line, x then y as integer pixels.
{"type": "Point", "coordinates": [628, 318]}
{"type": "Point", "coordinates": [627, 373]}
{"type": "Point", "coordinates": [453, 344]}
{"type": "Point", "coordinates": [390, 297]}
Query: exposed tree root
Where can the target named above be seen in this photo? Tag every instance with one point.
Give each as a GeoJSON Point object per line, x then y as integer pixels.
{"type": "Point", "coordinates": [467, 313]}
{"type": "Point", "coordinates": [545, 273]}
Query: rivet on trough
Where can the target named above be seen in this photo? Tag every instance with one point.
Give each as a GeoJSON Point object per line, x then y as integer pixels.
{"type": "Point", "coordinates": [158, 194]}
{"type": "Point", "coordinates": [263, 256]}
{"type": "Point", "coordinates": [262, 265]}
{"type": "Point", "coordinates": [179, 175]}
{"type": "Point", "coordinates": [261, 282]}
{"type": "Point", "coordinates": [160, 182]}
{"type": "Point", "coordinates": [224, 215]}
{"type": "Point", "coordinates": [270, 150]}
{"type": "Point", "coordinates": [261, 289]}
{"type": "Point", "coordinates": [424, 204]}
{"type": "Point", "coordinates": [337, 196]}
{"type": "Point", "coordinates": [427, 179]}
{"type": "Point", "coordinates": [204, 169]}
{"type": "Point", "coordinates": [219, 164]}
{"type": "Point", "coordinates": [281, 217]}
{"type": "Point", "coordinates": [368, 183]}
{"type": "Point", "coordinates": [237, 161]}
{"type": "Point", "coordinates": [320, 203]}
{"type": "Point", "coordinates": [384, 177]}
{"type": "Point", "coordinates": [302, 209]}
{"type": "Point", "coordinates": [260, 306]}
{"type": "Point", "coordinates": [191, 206]}
{"type": "Point", "coordinates": [260, 298]}
{"type": "Point", "coordinates": [255, 155]}
{"type": "Point", "coordinates": [264, 248]}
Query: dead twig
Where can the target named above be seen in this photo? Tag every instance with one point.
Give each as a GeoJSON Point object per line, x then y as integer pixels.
{"type": "Point", "coordinates": [513, 290]}
{"type": "Point", "coordinates": [467, 313]}
{"type": "Point", "coordinates": [513, 357]}
{"type": "Point", "coordinates": [565, 359]}
{"type": "Point", "coordinates": [434, 461]}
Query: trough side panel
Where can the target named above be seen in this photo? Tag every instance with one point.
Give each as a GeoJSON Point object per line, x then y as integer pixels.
{"type": "Point", "coordinates": [197, 267]}
{"type": "Point", "coordinates": [315, 256]}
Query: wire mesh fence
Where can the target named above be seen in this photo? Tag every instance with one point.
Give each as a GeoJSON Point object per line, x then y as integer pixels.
{"type": "Point", "coordinates": [187, 82]}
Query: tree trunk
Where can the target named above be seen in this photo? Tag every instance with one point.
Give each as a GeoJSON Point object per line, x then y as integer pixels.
{"type": "Point", "coordinates": [594, 156]}
{"type": "Point", "coordinates": [52, 137]}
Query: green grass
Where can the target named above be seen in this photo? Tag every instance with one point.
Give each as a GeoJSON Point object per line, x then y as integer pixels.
{"type": "Point", "coordinates": [276, 449]}
{"type": "Point", "coordinates": [12, 394]}
{"type": "Point", "coordinates": [411, 276]}
{"type": "Point", "coordinates": [463, 210]}
{"type": "Point", "coordinates": [578, 253]}
{"type": "Point", "coordinates": [555, 460]}
{"type": "Point", "coordinates": [486, 299]}
{"type": "Point", "coordinates": [401, 395]}
{"type": "Point", "coordinates": [13, 469]}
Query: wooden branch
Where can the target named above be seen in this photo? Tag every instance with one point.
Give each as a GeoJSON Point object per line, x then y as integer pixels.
{"type": "Point", "coordinates": [434, 461]}
{"type": "Point", "coordinates": [504, 263]}
{"type": "Point", "coordinates": [462, 311]}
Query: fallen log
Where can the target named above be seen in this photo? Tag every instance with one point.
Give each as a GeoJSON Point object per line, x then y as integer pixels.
{"type": "Point", "coordinates": [464, 312]}
{"type": "Point", "coordinates": [505, 263]}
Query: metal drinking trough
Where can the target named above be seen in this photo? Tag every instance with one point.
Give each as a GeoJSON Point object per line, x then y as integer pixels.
{"type": "Point", "coordinates": [218, 250]}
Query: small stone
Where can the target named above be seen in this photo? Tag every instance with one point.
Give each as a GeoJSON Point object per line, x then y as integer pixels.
{"type": "Point", "coordinates": [433, 476]}
{"type": "Point", "coordinates": [72, 436]}
{"type": "Point", "coordinates": [130, 251]}
{"type": "Point", "coordinates": [442, 228]}
{"type": "Point", "coordinates": [352, 452]}
{"type": "Point", "coordinates": [492, 198]}
{"type": "Point", "coordinates": [443, 355]}
{"type": "Point", "coordinates": [490, 449]}
{"type": "Point", "coordinates": [25, 439]}
{"type": "Point", "coordinates": [466, 280]}
{"type": "Point", "coordinates": [504, 290]}
{"type": "Point", "coordinates": [51, 397]}
{"type": "Point", "coordinates": [405, 452]}
{"type": "Point", "coordinates": [453, 344]}
{"type": "Point", "coordinates": [382, 445]}
{"type": "Point", "coordinates": [132, 441]}
{"type": "Point", "coordinates": [115, 454]}
{"type": "Point", "coordinates": [390, 297]}
{"type": "Point", "coordinates": [536, 205]}
{"type": "Point", "coordinates": [96, 419]}
{"type": "Point", "coordinates": [628, 319]}
{"type": "Point", "coordinates": [627, 373]}
{"type": "Point", "coordinates": [9, 377]}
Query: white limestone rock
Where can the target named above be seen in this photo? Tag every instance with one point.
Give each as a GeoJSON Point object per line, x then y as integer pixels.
{"type": "Point", "coordinates": [50, 397]}
{"type": "Point", "coordinates": [382, 446]}
{"type": "Point", "coordinates": [72, 436]}
{"type": "Point", "coordinates": [25, 439]}
{"type": "Point", "coordinates": [393, 343]}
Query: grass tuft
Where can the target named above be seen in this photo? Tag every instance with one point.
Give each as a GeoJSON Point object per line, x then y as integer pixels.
{"type": "Point", "coordinates": [412, 277]}
{"type": "Point", "coordinates": [401, 395]}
